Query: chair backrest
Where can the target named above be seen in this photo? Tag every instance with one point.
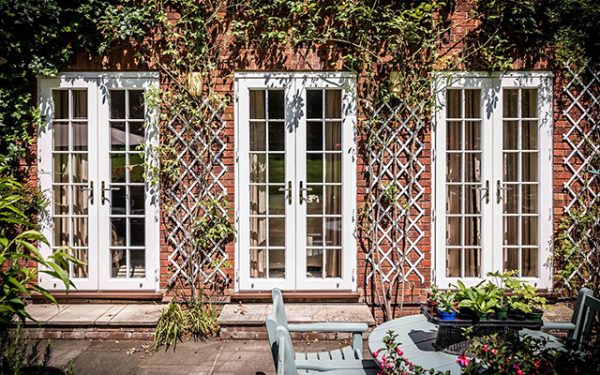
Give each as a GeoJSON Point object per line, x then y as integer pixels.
{"type": "Point", "coordinates": [590, 309]}
{"type": "Point", "coordinates": [286, 364]}
{"type": "Point", "coordinates": [276, 319]}
{"type": "Point", "coordinates": [577, 311]}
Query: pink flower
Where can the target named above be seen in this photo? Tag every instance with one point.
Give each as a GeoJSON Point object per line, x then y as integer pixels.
{"type": "Point", "coordinates": [485, 348]}
{"type": "Point", "coordinates": [376, 353]}
{"type": "Point", "coordinates": [494, 351]}
{"type": "Point", "coordinates": [463, 361]}
{"type": "Point", "coordinates": [399, 352]}
{"type": "Point", "coordinates": [518, 369]}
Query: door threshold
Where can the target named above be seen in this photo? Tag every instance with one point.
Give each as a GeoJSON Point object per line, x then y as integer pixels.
{"type": "Point", "coordinates": [298, 296]}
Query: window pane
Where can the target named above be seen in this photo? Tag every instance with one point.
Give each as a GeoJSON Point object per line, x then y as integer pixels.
{"type": "Point", "coordinates": [333, 136]}
{"type": "Point", "coordinates": [454, 135]}
{"type": "Point", "coordinates": [137, 231]}
{"type": "Point", "coordinates": [510, 135]}
{"type": "Point", "coordinates": [529, 135]}
{"type": "Point", "coordinates": [117, 136]}
{"type": "Point", "coordinates": [80, 231]}
{"type": "Point", "coordinates": [277, 263]}
{"type": "Point", "coordinates": [118, 232]}
{"type": "Point", "coordinates": [60, 134]}
{"type": "Point", "coordinates": [118, 260]}
{"type": "Point", "coordinates": [529, 102]}
{"type": "Point", "coordinates": [333, 104]}
{"type": "Point", "coordinates": [61, 167]}
{"type": "Point", "coordinates": [258, 231]}
{"type": "Point", "coordinates": [136, 168]}
{"type": "Point", "coordinates": [314, 263]}
{"type": "Point", "coordinates": [314, 103]}
{"type": "Point", "coordinates": [258, 200]}
{"type": "Point", "coordinates": [80, 104]}
{"type": "Point", "coordinates": [276, 168]}
{"type": "Point", "coordinates": [80, 136]}
{"type": "Point", "coordinates": [511, 259]}
{"type": "Point", "coordinates": [333, 168]}
{"type": "Point", "coordinates": [276, 231]}
{"type": "Point", "coordinates": [529, 230]}
{"type": "Point", "coordinates": [117, 200]}
{"type": "Point", "coordinates": [60, 100]}
{"type": "Point", "coordinates": [454, 199]}
{"type": "Point", "coordinates": [276, 200]}
{"type": "Point", "coordinates": [257, 104]}
{"type": "Point", "coordinates": [472, 199]}
{"type": "Point", "coordinates": [80, 168]}
{"type": "Point", "coordinates": [472, 231]}
{"type": "Point", "coordinates": [117, 104]}
{"type": "Point", "coordinates": [333, 261]}
{"type": "Point", "coordinates": [258, 140]}
{"type": "Point", "coordinates": [333, 236]}
{"type": "Point", "coordinates": [80, 271]}
{"type": "Point", "coordinates": [137, 263]}
{"type": "Point", "coordinates": [60, 199]}
{"type": "Point", "coordinates": [473, 135]}
{"type": "Point", "coordinates": [473, 103]}
{"type": "Point", "coordinates": [510, 100]}
{"type": "Point", "coordinates": [276, 136]}
{"type": "Point", "coordinates": [530, 199]}
{"type": "Point", "coordinates": [61, 231]}
{"type": "Point", "coordinates": [453, 263]}
{"type": "Point", "coordinates": [530, 166]}
{"type": "Point", "coordinates": [473, 167]}
{"type": "Point", "coordinates": [453, 231]}
{"type": "Point", "coordinates": [137, 200]}
{"type": "Point", "coordinates": [314, 200]}
{"type": "Point", "coordinates": [258, 166]}
{"type": "Point", "coordinates": [314, 231]}
{"type": "Point", "coordinates": [314, 136]}
{"type": "Point", "coordinates": [511, 231]}
{"type": "Point", "coordinates": [258, 263]}
{"type": "Point", "coordinates": [510, 199]}
{"type": "Point", "coordinates": [529, 262]}
{"type": "Point", "coordinates": [314, 167]}
{"type": "Point", "coordinates": [80, 200]}
{"type": "Point", "coordinates": [333, 200]}
{"type": "Point", "coordinates": [136, 104]}
{"type": "Point", "coordinates": [472, 262]}
{"type": "Point", "coordinates": [276, 104]}
{"type": "Point", "coordinates": [454, 104]}
{"type": "Point", "coordinates": [136, 135]}
{"type": "Point", "coordinates": [453, 168]}
{"type": "Point", "coordinates": [511, 166]}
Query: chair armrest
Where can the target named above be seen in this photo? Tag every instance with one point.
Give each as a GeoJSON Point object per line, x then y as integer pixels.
{"type": "Point", "coordinates": [562, 326]}
{"type": "Point", "coordinates": [328, 327]}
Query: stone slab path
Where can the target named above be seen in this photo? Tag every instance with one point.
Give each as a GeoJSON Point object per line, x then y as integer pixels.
{"type": "Point", "coordinates": [96, 315]}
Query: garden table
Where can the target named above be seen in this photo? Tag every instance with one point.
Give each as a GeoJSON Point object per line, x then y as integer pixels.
{"type": "Point", "coordinates": [416, 337]}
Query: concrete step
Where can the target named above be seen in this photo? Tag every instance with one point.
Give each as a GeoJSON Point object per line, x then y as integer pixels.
{"type": "Point", "coordinates": [247, 321]}
{"type": "Point", "coordinates": [93, 321]}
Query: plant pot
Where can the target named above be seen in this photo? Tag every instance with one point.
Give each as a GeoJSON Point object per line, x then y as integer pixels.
{"type": "Point", "coordinates": [466, 313]}
{"type": "Point", "coordinates": [516, 314]}
{"type": "Point", "coordinates": [432, 305]}
{"type": "Point", "coordinates": [536, 314]}
{"type": "Point", "coordinates": [501, 313]}
{"type": "Point", "coordinates": [446, 315]}
{"type": "Point", "coordinates": [481, 315]}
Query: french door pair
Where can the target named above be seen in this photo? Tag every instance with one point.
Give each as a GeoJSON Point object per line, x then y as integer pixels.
{"type": "Point", "coordinates": [296, 181]}
{"type": "Point", "coordinates": [92, 171]}
{"type": "Point", "coordinates": [493, 167]}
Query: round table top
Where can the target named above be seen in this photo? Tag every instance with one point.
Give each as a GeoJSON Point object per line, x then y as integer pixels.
{"type": "Point", "coordinates": [415, 338]}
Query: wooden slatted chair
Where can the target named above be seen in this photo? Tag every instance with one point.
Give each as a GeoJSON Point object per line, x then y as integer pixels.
{"type": "Point", "coordinates": [575, 318]}
{"type": "Point", "coordinates": [346, 359]}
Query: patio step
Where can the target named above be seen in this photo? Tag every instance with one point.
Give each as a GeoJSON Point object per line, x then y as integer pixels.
{"type": "Point", "coordinates": [93, 321]}
{"type": "Point", "coordinates": [247, 321]}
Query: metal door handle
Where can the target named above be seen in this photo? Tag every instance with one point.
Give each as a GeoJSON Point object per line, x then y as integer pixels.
{"type": "Point", "coordinates": [90, 190]}
{"type": "Point", "coordinates": [288, 190]}
{"type": "Point", "coordinates": [302, 190]}
{"type": "Point", "coordinates": [487, 191]}
{"type": "Point", "coordinates": [104, 189]}
{"type": "Point", "coordinates": [499, 189]}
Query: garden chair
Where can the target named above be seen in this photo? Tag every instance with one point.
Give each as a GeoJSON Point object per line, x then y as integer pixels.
{"type": "Point", "coordinates": [346, 358]}
{"type": "Point", "coordinates": [586, 311]}
{"type": "Point", "coordinates": [570, 326]}
{"type": "Point", "coordinates": [287, 362]}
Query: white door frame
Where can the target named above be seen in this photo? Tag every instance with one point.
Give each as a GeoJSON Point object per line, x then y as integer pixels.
{"type": "Point", "coordinates": [492, 84]}
{"type": "Point", "coordinates": [97, 85]}
{"type": "Point", "coordinates": [295, 122]}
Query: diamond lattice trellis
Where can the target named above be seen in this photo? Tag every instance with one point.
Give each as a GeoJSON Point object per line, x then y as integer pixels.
{"type": "Point", "coordinates": [582, 107]}
{"type": "Point", "coordinates": [199, 149]}
{"type": "Point", "coordinates": [394, 211]}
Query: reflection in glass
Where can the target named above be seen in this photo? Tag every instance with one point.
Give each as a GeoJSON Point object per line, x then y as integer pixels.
{"type": "Point", "coordinates": [473, 167]}
{"type": "Point", "coordinates": [453, 263]}
{"type": "Point", "coordinates": [137, 198]}
{"type": "Point", "coordinates": [511, 166]}
{"type": "Point", "coordinates": [137, 231]}
{"type": "Point", "coordinates": [118, 232]}
{"type": "Point", "coordinates": [511, 199]}
{"type": "Point", "coordinates": [333, 168]}
{"type": "Point", "coordinates": [276, 136]}
{"type": "Point", "coordinates": [117, 104]}
{"type": "Point", "coordinates": [453, 168]}
{"type": "Point", "coordinates": [510, 135]}
{"type": "Point", "coordinates": [258, 166]}
{"type": "Point", "coordinates": [61, 231]}
{"type": "Point", "coordinates": [473, 103]}
{"type": "Point", "coordinates": [333, 200]}
{"type": "Point", "coordinates": [472, 199]}
{"type": "Point", "coordinates": [276, 104]}
{"type": "Point", "coordinates": [277, 200]}
{"type": "Point", "coordinates": [136, 168]}
{"type": "Point", "coordinates": [60, 199]}
{"type": "Point", "coordinates": [80, 200]}
{"type": "Point", "coordinates": [453, 231]}
{"type": "Point", "coordinates": [529, 166]}
{"type": "Point", "coordinates": [333, 104]}
{"type": "Point", "coordinates": [117, 136]}
{"type": "Point", "coordinates": [117, 200]}
{"type": "Point", "coordinates": [314, 263]}
{"type": "Point", "coordinates": [530, 135]}
{"type": "Point", "coordinates": [529, 230]}
{"type": "Point", "coordinates": [333, 236]}
{"type": "Point", "coordinates": [118, 261]}
{"type": "Point", "coordinates": [511, 230]}
{"type": "Point", "coordinates": [333, 136]}
{"type": "Point", "coordinates": [80, 168]}
{"type": "Point", "coordinates": [136, 135]}
{"type": "Point", "coordinates": [60, 99]}
{"type": "Point", "coordinates": [314, 231]}
{"type": "Point", "coordinates": [276, 168]}
{"type": "Point", "coordinates": [453, 199]}
{"type": "Point", "coordinates": [258, 200]}
{"type": "Point", "coordinates": [80, 271]}
{"type": "Point", "coordinates": [258, 263]}
{"type": "Point", "coordinates": [529, 103]}
{"type": "Point", "coordinates": [314, 136]}
{"type": "Point", "coordinates": [136, 104]}
{"type": "Point", "coordinates": [60, 135]}
{"type": "Point", "coordinates": [314, 199]}
{"type": "Point", "coordinates": [454, 135]}
{"type": "Point", "coordinates": [314, 167]}
{"type": "Point", "coordinates": [117, 167]}
{"type": "Point", "coordinates": [529, 262]}
{"type": "Point", "coordinates": [454, 103]}
{"type": "Point", "coordinates": [472, 135]}
{"type": "Point", "coordinates": [530, 199]}
{"type": "Point", "coordinates": [333, 261]}
{"type": "Point", "coordinates": [258, 138]}
{"type": "Point", "coordinates": [80, 136]}
{"type": "Point", "coordinates": [80, 105]}
{"type": "Point", "coordinates": [511, 259]}
{"type": "Point", "coordinates": [61, 167]}
{"type": "Point", "coordinates": [137, 263]}
{"type": "Point", "coordinates": [276, 263]}
{"type": "Point", "coordinates": [80, 231]}
{"type": "Point", "coordinates": [257, 104]}
{"type": "Point", "coordinates": [472, 231]}
{"type": "Point", "coordinates": [258, 231]}
{"type": "Point", "coordinates": [510, 103]}
{"type": "Point", "coordinates": [472, 262]}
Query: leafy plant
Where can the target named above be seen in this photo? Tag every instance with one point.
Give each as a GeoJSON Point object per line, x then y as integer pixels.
{"type": "Point", "coordinates": [531, 356]}
{"type": "Point", "coordinates": [446, 301]}
{"type": "Point", "coordinates": [393, 362]}
{"type": "Point", "coordinates": [483, 299]}
{"type": "Point", "coordinates": [19, 251]}
{"type": "Point", "coordinates": [170, 326]}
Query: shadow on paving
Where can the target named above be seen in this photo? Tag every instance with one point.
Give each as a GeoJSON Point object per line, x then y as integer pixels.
{"type": "Point", "coordinates": [213, 356]}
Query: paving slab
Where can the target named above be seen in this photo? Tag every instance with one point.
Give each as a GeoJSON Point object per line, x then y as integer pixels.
{"type": "Point", "coordinates": [76, 315]}
{"type": "Point", "coordinates": [244, 314]}
{"type": "Point", "coordinates": [349, 313]}
{"type": "Point", "coordinates": [43, 312]}
{"type": "Point", "coordinates": [107, 316]}
{"type": "Point", "coordinates": [137, 315]}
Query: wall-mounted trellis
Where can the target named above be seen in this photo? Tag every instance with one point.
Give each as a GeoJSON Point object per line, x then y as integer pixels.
{"type": "Point", "coordinates": [394, 212]}
{"type": "Point", "coordinates": [582, 109]}
{"type": "Point", "coordinates": [199, 149]}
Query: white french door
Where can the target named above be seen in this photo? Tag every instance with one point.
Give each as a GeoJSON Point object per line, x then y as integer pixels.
{"type": "Point", "coordinates": [493, 168]}
{"type": "Point", "coordinates": [92, 171]}
{"type": "Point", "coordinates": [296, 181]}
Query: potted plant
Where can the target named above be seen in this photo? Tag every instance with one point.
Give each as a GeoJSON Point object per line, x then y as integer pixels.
{"type": "Point", "coordinates": [483, 301]}
{"type": "Point", "coordinates": [433, 296]}
{"type": "Point", "coordinates": [524, 302]}
{"type": "Point", "coordinates": [445, 307]}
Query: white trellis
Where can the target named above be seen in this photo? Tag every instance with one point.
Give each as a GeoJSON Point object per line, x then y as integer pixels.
{"type": "Point", "coordinates": [199, 149]}
{"type": "Point", "coordinates": [582, 107]}
{"type": "Point", "coordinates": [394, 210]}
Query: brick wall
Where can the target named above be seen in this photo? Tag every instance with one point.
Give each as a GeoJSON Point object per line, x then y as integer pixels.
{"type": "Point", "coordinates": [327, 58]}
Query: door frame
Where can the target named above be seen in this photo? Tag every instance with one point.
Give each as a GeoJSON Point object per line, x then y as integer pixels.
{"type": "Point", "coordinates": [544, 82]}
{"type": "Point", "coordinates": [294, 121]}
{"type": "Point", "coordinates": [96, 84]}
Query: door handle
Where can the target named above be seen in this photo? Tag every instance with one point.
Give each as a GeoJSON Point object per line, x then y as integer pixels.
{"type": "Point", "coordinates": [302, 190]}
{"type": "Point", "coordinates": [288, 191]}
{"type": "Point", "coordinates": [103, 190]}
{"type": "Point", "coordinates": [487, 191]}
{"type": "Point", "coordinates": [499, 189]}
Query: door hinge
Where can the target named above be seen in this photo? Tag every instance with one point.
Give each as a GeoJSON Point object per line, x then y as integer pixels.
{"type": "Point", "coordinates": [353, 274]}
{"type": "Point", "coordinates": [433, 155]}
{"type": "Point", "coordinates": [237, 155]}
{"type": "Point", "coordinates": [433, 213]}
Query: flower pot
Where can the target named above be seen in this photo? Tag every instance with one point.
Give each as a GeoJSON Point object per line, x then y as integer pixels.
{"type": "Point", "coordinates": [446, 315]}
{"type": "Point", "coordinates": [536, 314]}
{"type": "Point", "coordinates": [481, 315]}
{"type": "Point", "coordinates": [432, 305]}
{"type": "Point", "coordinates": [516, 314]}
{"type": "Point", "coordinates": [466, 313]}
{"type": "Point", "coordinates": [501, 313]}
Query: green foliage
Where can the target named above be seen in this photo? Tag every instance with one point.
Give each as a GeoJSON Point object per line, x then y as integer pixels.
{"type": "Point", "coordinates": [532, 356]}
{"type": "Point", "coordinates": [195, 318]}
{"type": "Point", "coordinates": [446, 301]}
{"type": "Point", "coordinates": [481, 299]}
{"type": "Point", "coordinates": [392, 361]}
{"type": "Point", "coordinates": [19, 251]}
{"type": "Point", "coordinates": [36, 38]}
